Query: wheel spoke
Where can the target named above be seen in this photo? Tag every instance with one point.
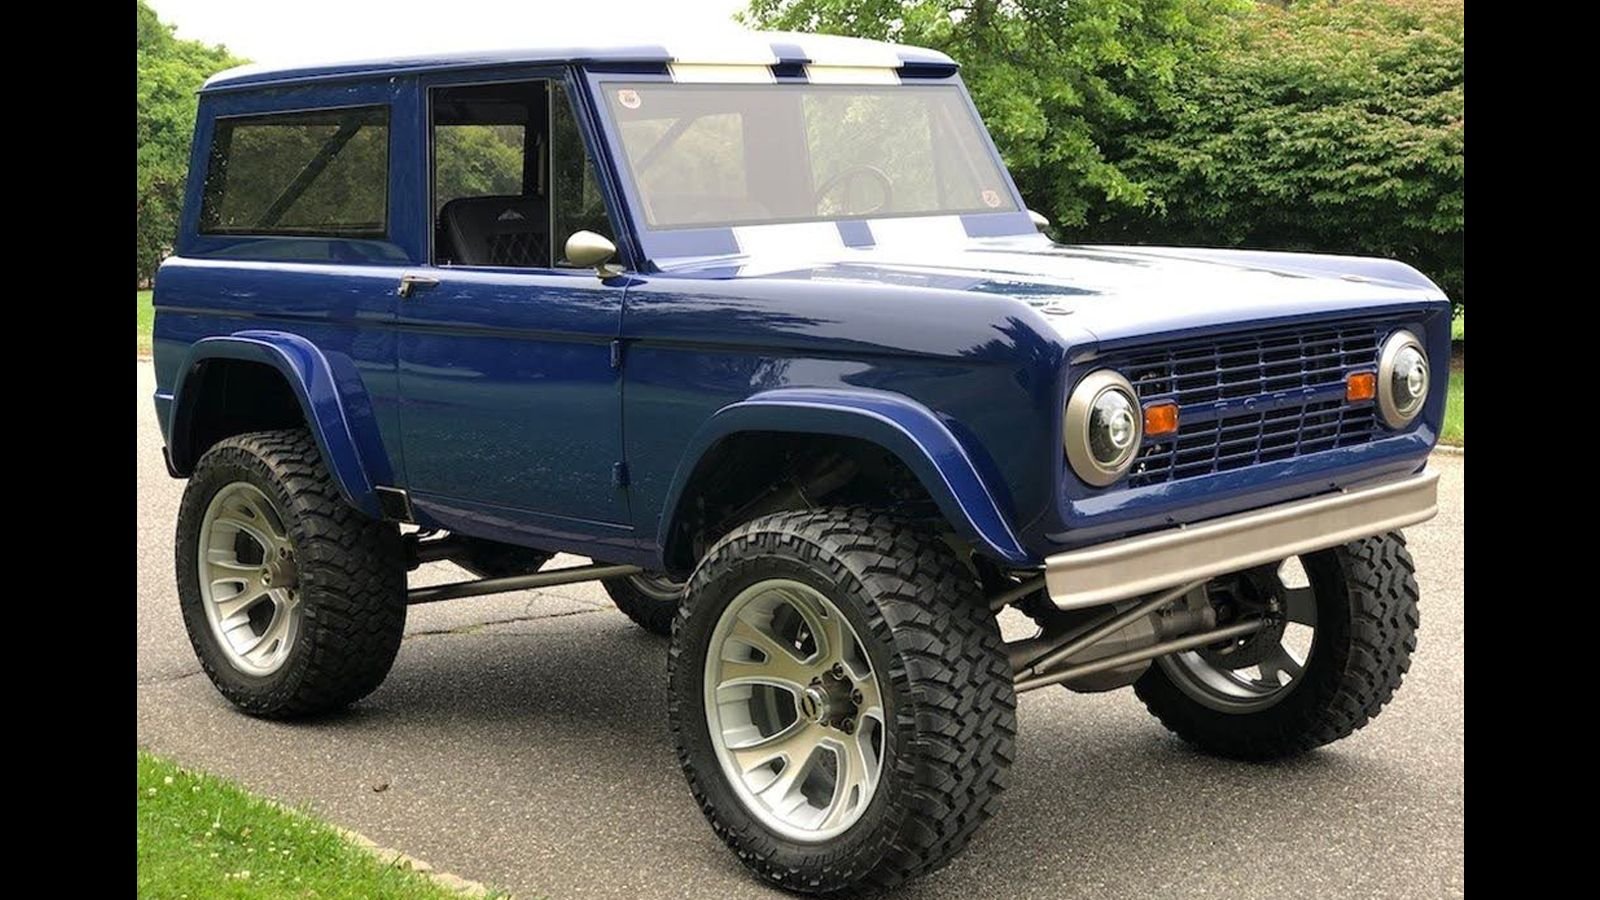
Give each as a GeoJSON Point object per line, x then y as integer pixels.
{"type": "Point", "coordinates": [794, 744]}
{"type": "Point", "coordinates": [1300, 605]}
{"type": "Point", "coordinates": [268, 519]}
{"type": "Point", "coordinates": [781, 666]}
{"type": "Point", "coordinates": [261, 648]}
{"type": "Point", "coordinates": [1274, 667]}
{"type": "Point", "coordinates": [249, 594]}
{"type": "Point", "coordinates": [823, 631]}
{"type": "Point", "coordinates": [856, 771]}
{"type": "Point", "coordinates": [225, 562]}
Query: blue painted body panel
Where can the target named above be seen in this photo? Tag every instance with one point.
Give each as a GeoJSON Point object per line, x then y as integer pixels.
{"type": "Point", "coordinates": [498, 400]}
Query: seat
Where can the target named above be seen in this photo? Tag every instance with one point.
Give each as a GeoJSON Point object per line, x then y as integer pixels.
{"type": "Point", "coordinates": [497, 231]}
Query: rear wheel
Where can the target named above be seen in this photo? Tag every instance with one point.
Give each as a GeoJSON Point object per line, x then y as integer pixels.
{"type": "Point", "coordinates": [840, 698]}
{"type": "Point", "coordinates": [293, 600]}
{"type": "Point", "coordinates": [1345, 623]}
{"type": "Point", "coordinates": [650, 599]}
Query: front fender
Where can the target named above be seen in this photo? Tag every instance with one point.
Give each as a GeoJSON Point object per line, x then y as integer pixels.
{"type": "Point", "coordinates": [904, 427]}
{"type": "Point", "coordinates": [323, 402]}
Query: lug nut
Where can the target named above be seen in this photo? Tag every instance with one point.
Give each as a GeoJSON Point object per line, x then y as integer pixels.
{"type": "Point", "coordinates": [848, 726]}
{"type": "Point", "coordinates": [856, 698]}
{"type": "Point", "coordinates": [838, 670]}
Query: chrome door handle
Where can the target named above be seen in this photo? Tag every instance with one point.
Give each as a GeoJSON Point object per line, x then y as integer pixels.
{"type": "Point", "coordinates": [410, 283]}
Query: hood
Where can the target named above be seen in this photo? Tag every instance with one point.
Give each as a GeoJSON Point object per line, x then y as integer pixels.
{"type": "Point", "coordinates": [1114, 293]}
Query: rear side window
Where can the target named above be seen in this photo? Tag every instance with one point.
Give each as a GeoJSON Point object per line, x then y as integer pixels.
{"type": "Point", "coordinates": [322, 173]}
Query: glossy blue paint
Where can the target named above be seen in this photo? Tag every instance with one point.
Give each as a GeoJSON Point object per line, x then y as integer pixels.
{"type": "Point", "coordinates": [493, 399]}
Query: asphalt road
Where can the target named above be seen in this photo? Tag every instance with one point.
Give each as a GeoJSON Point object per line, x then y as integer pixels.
{"type": "Point", "coordinates": [521, 741]}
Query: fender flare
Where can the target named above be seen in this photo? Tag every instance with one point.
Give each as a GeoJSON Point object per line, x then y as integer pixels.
{"type": "Point", "coordinates": [900, 425]}
{"type": "Point", "coordinates": [312, 379]}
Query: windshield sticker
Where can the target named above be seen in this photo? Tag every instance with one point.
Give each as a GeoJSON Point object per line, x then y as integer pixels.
{"type": "Point", "coordinates": [991, 197]}
{"type": "Point", "coordinates": [629, 98]}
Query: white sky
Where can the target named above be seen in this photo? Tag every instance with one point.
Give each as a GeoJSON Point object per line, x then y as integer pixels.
{"type": "Point", "coordinates": [269, 31]}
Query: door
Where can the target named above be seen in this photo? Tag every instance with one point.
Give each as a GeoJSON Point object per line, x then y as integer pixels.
{"type": "Point", "coordinates": [510, 399]}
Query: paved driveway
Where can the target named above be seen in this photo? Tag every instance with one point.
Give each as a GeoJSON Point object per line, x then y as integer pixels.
{"type": "Point", "coordinates": [521, 741]}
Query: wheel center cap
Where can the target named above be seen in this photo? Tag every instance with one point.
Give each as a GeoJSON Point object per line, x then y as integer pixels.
{"type": "Point", "coordinates": [814, 704]}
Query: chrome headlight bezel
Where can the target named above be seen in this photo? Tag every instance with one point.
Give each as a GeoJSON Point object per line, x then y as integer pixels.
{"type": "Point", "coordinates": [1076, 436]}
{"type": "Point", "coordinates": [1397, 408]}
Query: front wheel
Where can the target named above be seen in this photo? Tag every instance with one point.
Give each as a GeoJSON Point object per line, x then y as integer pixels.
{"type": "Point", "coordinates": [1345, 623]}
{"type": "Point", "coordinates": [840, 698]}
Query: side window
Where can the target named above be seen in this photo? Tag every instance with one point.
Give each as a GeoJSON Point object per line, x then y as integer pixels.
{"type": "Point", "coordinates": [511, 179]}
{"type": "Point", "coordinates": [472, 160]}
{"type": "Point", "coordinates": [323, 173]}
{"type": "Point", "coordinates": [579, 205]}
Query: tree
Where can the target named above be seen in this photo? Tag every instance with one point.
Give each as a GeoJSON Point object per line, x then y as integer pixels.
{"type": "Point", "coordinates": [1330, 126]}
{"type": "Point", "coordinates": [170, 71]}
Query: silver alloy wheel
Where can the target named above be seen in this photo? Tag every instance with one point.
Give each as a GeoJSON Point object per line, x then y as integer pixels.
{"type": "Point", "coordinates": [657, 586]}
{"type": "Point", "coordinates": [795, 710]}
{"type": "Point", "coordinates": [1204, 678]}
{"type": "Point", "coordinates": [249, 583]}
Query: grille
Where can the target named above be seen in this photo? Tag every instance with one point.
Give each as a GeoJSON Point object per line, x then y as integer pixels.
{"type": "Point", "coordinates": [1293, 382]}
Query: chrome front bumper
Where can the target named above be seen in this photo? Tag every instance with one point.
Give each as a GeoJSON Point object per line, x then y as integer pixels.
{"type": "Point", "coordinates": [1136, 566]}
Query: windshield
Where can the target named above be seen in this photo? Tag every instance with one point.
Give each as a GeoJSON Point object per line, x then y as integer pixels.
{"type": "Point", "coordinates": [705, 155]}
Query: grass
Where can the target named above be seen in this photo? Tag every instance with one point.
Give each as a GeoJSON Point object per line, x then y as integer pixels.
{"type": "Point", "coordinates": [202, 837]}
{"type": "Point", "coordinates": [1458, 328]}
{"type": "Point", "coordinates": [147, 321]}
{"type": "Point", "coordinates": [1455, 422]}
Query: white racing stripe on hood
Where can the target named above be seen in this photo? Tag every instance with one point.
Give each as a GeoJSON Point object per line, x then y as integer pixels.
{"type": "Point", "coordinates": [918, 231]}
{"type": "Point", "coordinates": [782, 248]}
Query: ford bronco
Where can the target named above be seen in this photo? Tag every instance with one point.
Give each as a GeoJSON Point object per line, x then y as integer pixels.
{"type": "Point", "coordinates": [765, 331]}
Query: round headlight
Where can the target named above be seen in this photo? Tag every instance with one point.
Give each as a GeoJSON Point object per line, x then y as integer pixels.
{"type": "Point", "coordinates": [1103, 427]}
{"type": "Point", "coordinates": [1403, 379]}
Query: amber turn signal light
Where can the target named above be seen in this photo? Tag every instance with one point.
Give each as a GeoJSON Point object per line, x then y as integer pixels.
{"type": "Point", "coordinates": [1160, 419]}
{"type": "Point", "coordinates": [1360, 386]}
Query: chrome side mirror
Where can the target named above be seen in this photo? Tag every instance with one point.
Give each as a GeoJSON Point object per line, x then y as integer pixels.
{"type": "Point", "coordinates": [1039, 221]}
{"type": "Point", "coordinates": [585, 248]}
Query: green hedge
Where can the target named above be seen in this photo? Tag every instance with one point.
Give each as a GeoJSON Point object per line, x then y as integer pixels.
{"type": "Point", "coordinates": [1325, 126]}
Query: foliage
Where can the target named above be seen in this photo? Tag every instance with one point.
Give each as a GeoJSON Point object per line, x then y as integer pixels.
{"type": "Point", "coordinates": [1329, 125]}
{"type": "Point", "coordinates": [200, 836]}
{"type": "Point", "coordinates": [170, 71]}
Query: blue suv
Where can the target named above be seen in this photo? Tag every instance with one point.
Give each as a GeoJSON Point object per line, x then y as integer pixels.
{"type": "Point", "coordinates": [764, 329]}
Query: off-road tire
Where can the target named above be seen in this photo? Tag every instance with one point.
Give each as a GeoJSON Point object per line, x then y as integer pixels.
{"type": "Point", "coordinates": [942, 669]}
{"type": "Point", "coordinates": [1366, 631]}
{"type": "Point", "coordinates": [652, 613]}
{"type": "Point", "coordinates": [352, 579]}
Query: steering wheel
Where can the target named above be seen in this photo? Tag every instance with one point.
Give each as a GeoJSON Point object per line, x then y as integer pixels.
{"type": "Point", "coordinates": [844, 175]}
